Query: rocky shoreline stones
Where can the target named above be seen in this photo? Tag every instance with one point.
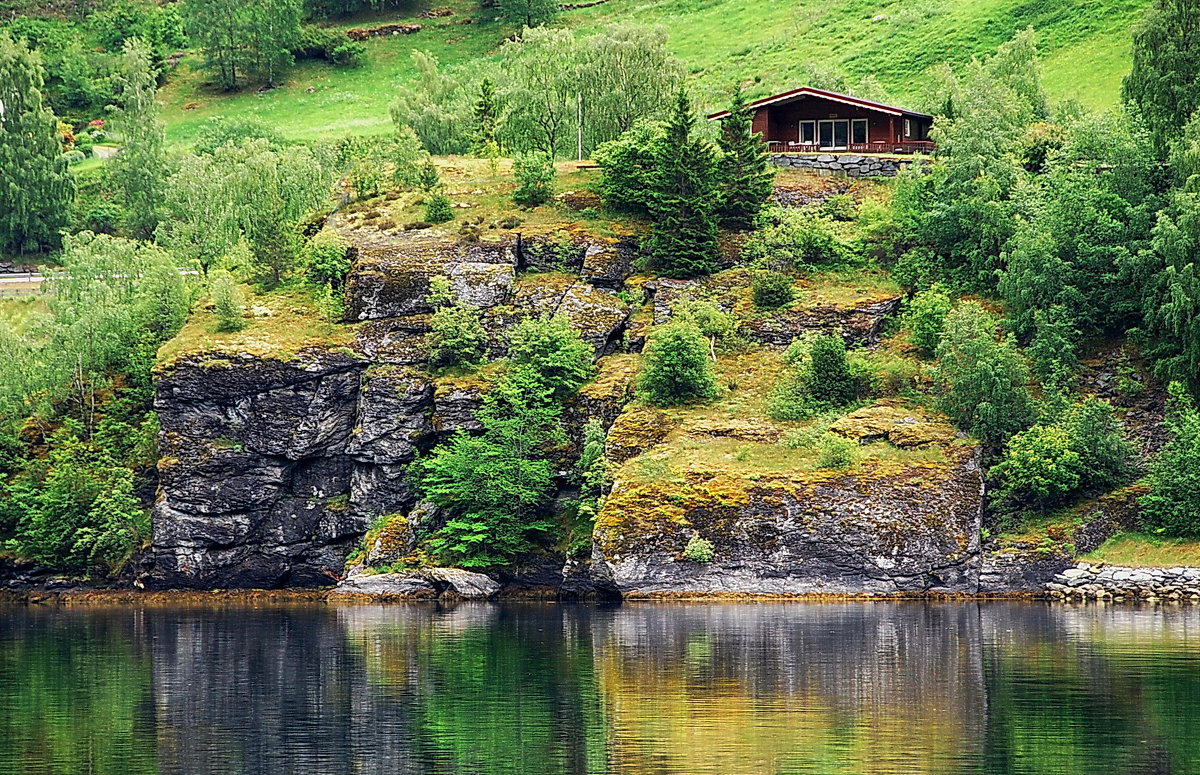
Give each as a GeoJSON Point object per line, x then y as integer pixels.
{"type": "Point", "coordinates": [1086, 581]}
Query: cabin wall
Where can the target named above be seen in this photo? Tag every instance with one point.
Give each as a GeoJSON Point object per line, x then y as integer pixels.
{"type": "Point", "coordinates": [781, 122]}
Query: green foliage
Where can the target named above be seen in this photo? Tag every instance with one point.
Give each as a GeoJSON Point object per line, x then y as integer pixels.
{"type": "Point", "coordinates": [627, 164]}
{"type": "Point", "coordinates": [794, 239]}
{"type": "Point", "coordinates": [327, 259]}
{"type": "Point", "coordinates": [747, 179]}
{"type": "Point", "coordinates": [487, 117]}
{"type": "Point", "coordinates": [75, 510]}
{"type": "Point", "coordinates": [528, 13]}
{"type": "Point", "coordinates": [249, 190]}
{"type": "Point", "coordinates": [836, 452]}
{"type": "Point", "coordinates": [36, 189]}
{"type": "Point", "coordinates": [535, 178]}
{"type": "Point", "coordinates": [438, 208]}
{"type": "Point", "coordinates": [139, 170]}
{"type": "Point", "coordinates": [409, 157]}
{"type": "Point", "coordinates": [313, 42]}
{"type": "Point", "coordinates": [925, 317]}
{"type": "Point", "coordinates": [683, 235]}
{"type": "Point", "coordinates": [554, 351]}
{"type": "Point", "coordinates": [456, 335]}
{"type": "Point", "coordinates": [228, 302]}
{"type": "Point", "coordinates": [698, 549]}
{"type": "Point", "coordinates": [1053, 348]}
{"type": "Point", "coordinates": [1040, 468]}
{"type": "Point", "coordinates": [1106, 458]}
{"type": "Point", "coordinates": [437, 106]}
{"type": "Point", "coordinates": [234, 130]}
{"type": "Point", "coordinates": [1164, 83]}
{"type": "Point", "coordinates": [772, 290]}
{"type": "Point", "coordinates": [498, 481]}
{"type": "Point", "coordinates": [983, 380]}
{"type": "Point", "coordinates": [1172, 506]}
{"type": "Point", "coordinates": [677, 367]}
{"type": "Point", "coordinates": [719, 326]}
{"type": "Point", "coordinates": [830, 382]}
{"type": "Point", "coordinates": [244, 40]}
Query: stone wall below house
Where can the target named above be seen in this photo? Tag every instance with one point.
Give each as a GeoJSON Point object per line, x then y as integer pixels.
{"type": "Point", "coordinates": [852, 165]}
{"type": "Point", "coordinates": [1086, 581]}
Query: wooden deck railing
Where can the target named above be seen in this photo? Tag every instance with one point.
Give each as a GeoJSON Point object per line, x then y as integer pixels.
{"type": "Point", "coordinates": [907, 146]}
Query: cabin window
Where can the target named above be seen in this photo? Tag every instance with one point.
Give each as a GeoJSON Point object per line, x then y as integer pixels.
{"type": "Point", "coordinates": [908, 127]}
{"type": "Point", "coordinates": [808, 132]}
{"type": "Point", "coordinates": [858, 133]}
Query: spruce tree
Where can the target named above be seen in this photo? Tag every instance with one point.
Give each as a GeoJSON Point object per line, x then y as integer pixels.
{"type": "Point", "coordinates": [683, 238]}
{"type": "Point", "coordinates": [139, 170]}
{"type": "Point", "coordinates": [35, 187]}
{"type": "Point", "coordinates": [746, 178]}
{"type": "Point", "coordinates": [486, 117]}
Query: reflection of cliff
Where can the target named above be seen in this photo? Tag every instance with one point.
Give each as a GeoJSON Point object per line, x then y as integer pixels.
{"type": "Point", "coordinates": [767, 688]}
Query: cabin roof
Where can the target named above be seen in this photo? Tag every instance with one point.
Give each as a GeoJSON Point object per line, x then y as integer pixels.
{"type": "Point", "coordinates": [808, 91]}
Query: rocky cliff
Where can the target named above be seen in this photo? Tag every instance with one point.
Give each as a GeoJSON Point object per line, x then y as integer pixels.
{"type": "Point", "coordinates": [278, 460]}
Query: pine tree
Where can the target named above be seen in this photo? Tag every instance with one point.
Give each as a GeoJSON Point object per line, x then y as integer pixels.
{"type": "Point", "coordinates": [35, 187]}
{"type": "Point", "coordinates": [683, 238]}
{"type": "Point", "coordinates": [139, 170]}
{"type": "Point", "coordinates": [746, 179]}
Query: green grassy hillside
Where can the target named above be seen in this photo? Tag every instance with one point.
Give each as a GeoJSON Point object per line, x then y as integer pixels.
{"type": "Point", "coordinates": [1085, 46]}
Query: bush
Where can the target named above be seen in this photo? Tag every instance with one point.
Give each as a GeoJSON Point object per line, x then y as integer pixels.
{"type": "Point", "coordinates": [717, 325]}
{"type": "Point", "coordinates": [627, 165]}
{"type": "Point", "coordinates": [228, 303]}
{"type": "Point", "coordinates": [677, 368]}
{"type": "Point", "coordinates": [772, 290]}
{"type": "Point", "coordinates": [837, 452]}
{"type": "Point", "coordinates": [456, 336]}
{"type": "Point", "coordinates": [795, 239]}
{"type": "Point", "coordinates": [409, 157]}
{"type": "Point", "coordinates": [926, 316]}
{"type": "Point", "coordinates": [839, 207]}
{"type": "Point", "coordinates": [349, 54]}
{"type": "Point", "coordinates": [438, 209]}
{"type": "Point", "coordinates": [919, 268]}
{"type": "Point", "coordinates": [830, 382]}
{"type": "Point", "coordinates": [1172, 506]}
{"type": "Point", "coordinates": [554, 351]}
{"type": "Point", "coordinates": [327, 260]}
{"type": "Point", "coordinates": [698, 549]}
{"type": "Point", "coordinates": [315, 42]}
{"type": "Point", "coordinates": [983, 380]}
{"type": "Point", "coordinates": [104, 217]}
{"type": "Point", "coordinates": [1039, 469]}
{"type": "Point", "coordinates": [535, 178]}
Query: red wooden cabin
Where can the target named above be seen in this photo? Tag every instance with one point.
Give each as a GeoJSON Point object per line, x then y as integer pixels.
{"type": "Point", "coordinates": [813, 120]}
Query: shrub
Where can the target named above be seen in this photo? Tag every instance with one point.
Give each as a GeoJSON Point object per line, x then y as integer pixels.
{"type": "Point", "coordinates": [438, 209]}
{"type": "Point", "coordinates": [1172, 506]}
{"type": "Point", "coordinates": [349, 54]}
{"type": "Point", "coordinates": [677, 367]}
{"type": "Point", "coordinates": [919, 268]}
{"type": "Point", "coordinates": [983, 380]}
{"type": "Point", "coordinates": [626, 166]}
{"type": "Point", "coordinates": [836, 452]}
{"type": "Point", "coordinates": [772, 290]}
{"type": "Point", "coordinates": [535, 178]}
{"type": "Point", "coordinates": [1039, 469]}
{"type": "Point", "coordinates": [1106, 458]}
{"type": "Point", "coordinates": [104, 217]}
{"type": "Point", "coordinates": [327, 259]}
{"type": "Point", "coordinates": [717, 325]}
{"type": "Point", "coordinates": [74, 156]}
{"type": "Point", "coordinates": [228, 303]}
{"type": "Point", "coordinates": [830, 382]}
{"type": "Point", "coordinates": [555, 351]}
{"type": "Point", "coordinates": [840, 207]}
{"type": "Point", "coordinates": [926, 316]}
{"type": "Point", "coordinates": [795, 239]}
{"type": "Point", "coordinates": [456, 336]}
{"type": "Point", "coordinates": [698, 549]}
{"type": "Point", "coordinates": [409, 156]}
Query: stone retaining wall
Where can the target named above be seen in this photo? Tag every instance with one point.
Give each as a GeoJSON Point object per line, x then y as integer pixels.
{"type": "Point", "coordinates": [853, 165]}
{"type": "Point", "coordinates": [1111, 582]}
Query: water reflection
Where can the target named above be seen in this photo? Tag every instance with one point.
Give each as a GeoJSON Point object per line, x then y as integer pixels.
{"type": "Point", "coordinates": [756, 688]}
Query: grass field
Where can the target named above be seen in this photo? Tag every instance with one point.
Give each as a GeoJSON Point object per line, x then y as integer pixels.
{"type": "Point", "coordinates": [1140, 550]}
{"type": "Point", "coordinates": [773, 43]}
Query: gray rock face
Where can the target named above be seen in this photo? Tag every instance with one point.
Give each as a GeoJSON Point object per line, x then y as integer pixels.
{"type": "Point", "coordinates": [426, 583]}
{"type": "Point", "coordinates": [904, 534]}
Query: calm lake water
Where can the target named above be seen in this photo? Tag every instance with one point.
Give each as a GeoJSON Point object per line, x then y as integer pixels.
{"type": "Point", "coordinates": [881, 689]}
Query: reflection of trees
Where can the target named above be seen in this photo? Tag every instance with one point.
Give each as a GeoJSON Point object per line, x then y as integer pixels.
{"type": "Point", "coordinates": [74, 693]}
{"type": "Point", "coordinates": [675, 689]}
{"type": "Point", "coordinates": [792, 688]}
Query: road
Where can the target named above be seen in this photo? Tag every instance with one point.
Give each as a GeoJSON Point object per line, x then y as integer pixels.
{"type": "Point", "coordinates": [20, 283]}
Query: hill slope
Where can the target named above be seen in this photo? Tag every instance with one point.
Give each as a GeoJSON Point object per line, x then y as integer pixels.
{"type": "Point", "coordinates": [1085, 46]}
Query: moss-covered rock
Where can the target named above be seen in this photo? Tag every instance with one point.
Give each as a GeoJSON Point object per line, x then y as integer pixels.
{"type": "Point", "coordinates": [896, 422]}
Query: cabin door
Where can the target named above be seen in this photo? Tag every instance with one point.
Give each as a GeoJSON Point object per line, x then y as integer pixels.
{"type": "Point", "coordinates": [833, 135]}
